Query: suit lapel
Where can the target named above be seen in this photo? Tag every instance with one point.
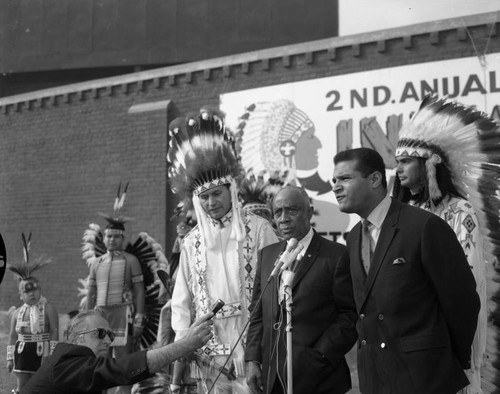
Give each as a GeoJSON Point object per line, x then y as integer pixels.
{"type": "Point", "coordinates": [310, 256]}
{"type": "Point", "coordinates": [387, 232]}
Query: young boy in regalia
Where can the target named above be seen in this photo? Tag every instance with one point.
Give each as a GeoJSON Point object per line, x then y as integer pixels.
{"type": "Point", "coordinates": [34, 329]}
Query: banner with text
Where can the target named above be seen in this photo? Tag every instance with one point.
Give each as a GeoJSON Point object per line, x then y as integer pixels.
{"type": "Point", "coordinates": [299, 127]}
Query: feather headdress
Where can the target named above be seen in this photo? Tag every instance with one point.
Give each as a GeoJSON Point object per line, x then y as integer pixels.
{"type": "Point", "coordinates": [116, 221]}
{"type": "Point", "coordinates": [467, 142]}
{"type": "Point", "coordinates": [26, 267]}
{"type": "Point", "coordinates": [268, 133]}
{"type": "Point", "coordinates": [202, 155]}
{"type": "Point", "coordinates": [255, 193]}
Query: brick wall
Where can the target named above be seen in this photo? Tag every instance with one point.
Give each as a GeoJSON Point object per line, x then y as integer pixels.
{"type": "Point", "coordinates": [65, 150]}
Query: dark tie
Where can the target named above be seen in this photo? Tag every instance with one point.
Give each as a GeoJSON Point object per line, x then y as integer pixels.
{"type": "Point", "coordinates": [366, 245]}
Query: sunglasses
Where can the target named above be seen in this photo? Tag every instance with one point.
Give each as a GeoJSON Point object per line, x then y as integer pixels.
{"type": "Point", "coordinates": [101, 333]}
{"type": "Point", "coordinates": [30, 286]}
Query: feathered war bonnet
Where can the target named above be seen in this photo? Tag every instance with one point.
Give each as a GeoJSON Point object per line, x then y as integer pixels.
{"type": "Point", "coordinates": [467, 142]}
{"type": "Point", "coordinates": [116, 222]}
{"type": "Point", "coordinates": [268, 133]}
{"type": "Point", "coordinates": [25, 269]}
{"type": "Point", "coordinates": [202, 155]}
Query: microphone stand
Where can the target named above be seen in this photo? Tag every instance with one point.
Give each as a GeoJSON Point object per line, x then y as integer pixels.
{"type": "Point", "coordinates": [221, 369]}
{"type": "Point", "coordinates": [287, 290]}
{"type": "Point", "coordinates": [291, 258]}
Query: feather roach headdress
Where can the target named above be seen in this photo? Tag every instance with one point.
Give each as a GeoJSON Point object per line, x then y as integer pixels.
{"type": "Point", "coordinates": [26, 267]}
{"type": "Point", "coordinates": [116, 221]}
{"type": "Point", "coordinates": [201, 156]}
{"type": "Point", "coordinates": [467, 142]}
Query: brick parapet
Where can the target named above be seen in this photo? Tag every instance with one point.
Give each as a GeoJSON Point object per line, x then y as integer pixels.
{"type": "Point", "coordinates": [289, 56]}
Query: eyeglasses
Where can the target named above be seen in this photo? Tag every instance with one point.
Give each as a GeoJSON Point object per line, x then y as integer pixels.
{"type": "Point", "coordinates": [30, 286]}
{"type": "Point", "coordinates": [101, 333]}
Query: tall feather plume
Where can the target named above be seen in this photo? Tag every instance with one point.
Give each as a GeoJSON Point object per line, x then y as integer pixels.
{"type": "Point", "coordinates": [122, 198]}
{"type": "Point", "coordinates": [26, 247]}
{"type": "Point", "coordinates": [468, 142]}
{"type": "Point", "coordinates": [200, 149]}
{"type": "Point", "coordinates": [25, 268]}
{"type": "Point", "coordinates": [117, 198]}
{"type": "Point", "coordinates": [116, 218]}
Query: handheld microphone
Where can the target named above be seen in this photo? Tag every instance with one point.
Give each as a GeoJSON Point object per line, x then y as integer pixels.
{"type": "Point", "coordinates": [218, 306]}
{"type": "Point", "coordinates": [291, 252]}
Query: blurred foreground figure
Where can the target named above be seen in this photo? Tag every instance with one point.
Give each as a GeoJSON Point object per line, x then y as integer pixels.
{"type": "Point", "coordinates": [82, 365]}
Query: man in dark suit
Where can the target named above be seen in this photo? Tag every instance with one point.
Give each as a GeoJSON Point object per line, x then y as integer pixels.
{"type": "Point", "coordinates": [82, 366]}
{"type": "Point", "coordinates": [323, 313]}
{"type": "Point", "coordinates": [416, 298]}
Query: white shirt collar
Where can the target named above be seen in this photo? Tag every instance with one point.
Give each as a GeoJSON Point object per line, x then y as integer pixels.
{"type": "Point", "coordinates": [306, 241]}
{"type": "Point", "coordinates": [378, 214]}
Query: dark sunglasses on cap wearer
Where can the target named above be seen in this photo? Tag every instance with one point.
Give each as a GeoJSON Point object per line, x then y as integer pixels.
{"type": "Point", "coordinates": [101, 333]}
{"type": "Point", "coordinates": [30, 286]}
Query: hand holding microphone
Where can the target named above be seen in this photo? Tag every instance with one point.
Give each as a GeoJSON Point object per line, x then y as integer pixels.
{"type": "Point", "coordinates": [287, 258]}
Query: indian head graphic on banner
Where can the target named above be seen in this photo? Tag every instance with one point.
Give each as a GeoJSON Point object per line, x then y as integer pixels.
{"type": "Point", "coordinates": [297, 128]}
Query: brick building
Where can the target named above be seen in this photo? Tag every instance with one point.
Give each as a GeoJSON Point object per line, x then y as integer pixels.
{"type": "Point", "coordinates": [66, 149]}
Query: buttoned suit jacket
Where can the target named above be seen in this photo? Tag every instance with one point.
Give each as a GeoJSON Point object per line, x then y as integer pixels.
{"type": "Point", "coordinates": [417, 306]}
{"type": "Point", "coordinates": [323, 320]}
{"type": "Point", "coordinates": [75, 369]}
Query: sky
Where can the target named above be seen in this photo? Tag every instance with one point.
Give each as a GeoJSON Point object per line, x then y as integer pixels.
{"type": "Point", "coordinates": [359, 16]}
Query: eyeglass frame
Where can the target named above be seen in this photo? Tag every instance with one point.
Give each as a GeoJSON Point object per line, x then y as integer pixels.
{"type": "Point", "coordinates": [29, 287]}
{"type": "Point", "coordinates": [111, 335]}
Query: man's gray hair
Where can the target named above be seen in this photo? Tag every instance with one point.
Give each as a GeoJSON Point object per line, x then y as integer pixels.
{"type": "Point", "coordinates": [299, 190]}
{"type": "Point", "coordinates": [79, 323]}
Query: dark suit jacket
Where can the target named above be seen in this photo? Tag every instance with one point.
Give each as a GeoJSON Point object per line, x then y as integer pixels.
{"type": "Point", "coordinates": [74, 369]}
{"type": "Point", "coordinates": [417, 308]}
{"type": "Point", "coordinates": [323, 321]}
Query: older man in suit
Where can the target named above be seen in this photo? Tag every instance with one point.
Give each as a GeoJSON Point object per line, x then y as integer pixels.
{"type": "Point", "coordinates": [415, 293]}
{"type": "Point", "coordinates": [323, 314]}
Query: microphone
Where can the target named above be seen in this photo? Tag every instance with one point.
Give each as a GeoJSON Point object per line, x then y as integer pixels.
{"type": "Point", "coordinates": [296, 263]}
{"type": "Point", "coordinates": [288, 270]}
{"type": "Point", "coordinates": [291, 263]}
{"type": "Point", "coordinates": [293, 248]}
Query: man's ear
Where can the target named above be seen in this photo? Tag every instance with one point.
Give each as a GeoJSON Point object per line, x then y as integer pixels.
{"type": "Point", "coordinates": [311, 212]}
{"type": "Point", "coordinates": [376, 178]}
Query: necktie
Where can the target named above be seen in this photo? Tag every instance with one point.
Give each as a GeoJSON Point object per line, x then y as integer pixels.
{"type": "Point", "coordinates": [366, 245]}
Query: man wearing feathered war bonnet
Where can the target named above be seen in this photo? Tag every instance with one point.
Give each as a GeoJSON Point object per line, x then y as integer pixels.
{"type": "Point", "coordinates": [448, 164]}
{"type": "Point", "coordinates": [218, 257]}
{"type": "Point", "coordinates": [34, 329]}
